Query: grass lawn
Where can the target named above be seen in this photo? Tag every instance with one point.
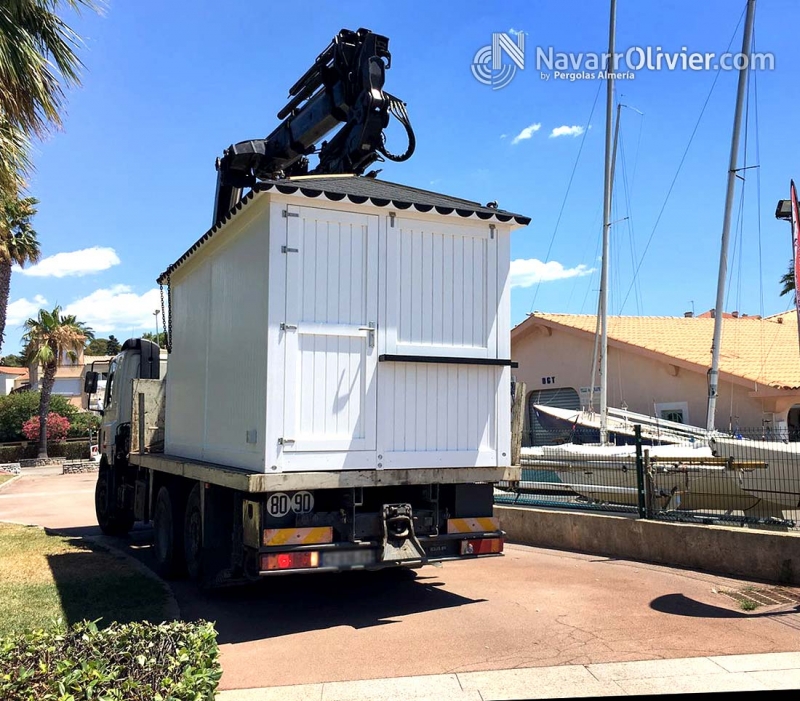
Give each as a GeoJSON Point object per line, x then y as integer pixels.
{"type": "Point", "coordinates": [46, 577]}
{"type": "Point", "coordinates": [4, 477]}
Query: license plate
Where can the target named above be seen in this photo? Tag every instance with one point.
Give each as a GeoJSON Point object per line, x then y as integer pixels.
{"type": "Point", "coordinates": [347, 558]}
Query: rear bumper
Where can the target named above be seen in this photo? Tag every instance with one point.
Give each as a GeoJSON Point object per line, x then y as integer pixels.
{"type": "Point", "coordinates": [367, 556]}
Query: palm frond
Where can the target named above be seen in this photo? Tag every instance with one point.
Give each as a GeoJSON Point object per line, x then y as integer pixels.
{"type": "Point", "coordinates": [52, 335]}
{"type": "Point", "coordinates": [38, 60]}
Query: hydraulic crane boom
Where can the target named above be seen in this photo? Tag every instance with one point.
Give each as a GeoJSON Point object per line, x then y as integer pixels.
{"type": "Point", "coordinates": [345, 85]}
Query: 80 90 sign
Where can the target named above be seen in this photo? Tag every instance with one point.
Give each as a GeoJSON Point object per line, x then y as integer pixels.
{"type": "Point", "coordinates": [279, 504]}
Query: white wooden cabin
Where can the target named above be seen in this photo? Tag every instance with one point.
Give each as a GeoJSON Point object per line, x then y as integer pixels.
{"type": "Point", "coordinates": [334, 323]}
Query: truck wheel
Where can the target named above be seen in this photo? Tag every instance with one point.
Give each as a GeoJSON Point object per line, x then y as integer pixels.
{"type": "Point", "coordinates": [193, 534]}
{"type": "Point", "coordinates": [168, 535]}
{"type": "Point", "coordinates": [111, 522]}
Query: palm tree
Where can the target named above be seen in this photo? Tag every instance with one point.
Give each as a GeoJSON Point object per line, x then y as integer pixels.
{"type": "Point", "coordinates": [49, 339]}
{"type": "Point", "coordinates": [38, 61]}
{"type": "Point", "coordinates": [18, 245]}
{"type": "Point", "coordinates": [14, 161]}
{"type": "Point", "coordinates": [788, 280]}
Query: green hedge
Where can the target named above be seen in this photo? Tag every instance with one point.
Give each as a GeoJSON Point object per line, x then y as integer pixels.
{"type": "Point", "coordinates": [72, 450]}
{"type": "Point", "coordinates": [174, 661]}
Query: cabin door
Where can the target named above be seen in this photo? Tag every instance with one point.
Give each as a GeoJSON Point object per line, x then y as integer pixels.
{"type": "Point", "coordinates": [330, 397]}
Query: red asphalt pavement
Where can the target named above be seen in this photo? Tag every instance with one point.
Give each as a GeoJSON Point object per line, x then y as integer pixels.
{"type": "Point", "coordinates": [531, 608]}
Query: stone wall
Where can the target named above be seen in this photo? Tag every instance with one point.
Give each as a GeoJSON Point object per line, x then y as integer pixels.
{"type": "Point", "coordinates": [758, 554]}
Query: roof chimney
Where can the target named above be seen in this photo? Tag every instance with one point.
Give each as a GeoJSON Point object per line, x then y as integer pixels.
{"type": "Point", "coordinates": [713, 313]}
{"type": "Point", "coordinates": [688, 315]}
{"type": "Point", "coordinates": [735, 315]}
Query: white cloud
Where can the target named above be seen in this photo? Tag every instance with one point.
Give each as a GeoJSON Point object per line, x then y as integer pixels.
{"type": "Point", "coordinates": [117, 308]}
{"type": "Point", "coordinates": [516, 32]}
{"type": "Point", "coordinates": [566, 131]}
{"type": "Point", "coordinates": [74, 263]}
{"type": "Point", "coordinates": [528, 271]}
{"type": "Point", "coordinates": [526, 133]}
{"type": "Point", "coordinates": [19, 311]}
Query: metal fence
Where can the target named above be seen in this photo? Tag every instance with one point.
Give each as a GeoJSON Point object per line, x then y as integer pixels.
{"type": "Point", "coordinates": [746, 478]}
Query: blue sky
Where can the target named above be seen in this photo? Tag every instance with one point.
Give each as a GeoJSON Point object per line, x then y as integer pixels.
{"type": "Point", "coordinates": [128, 183]}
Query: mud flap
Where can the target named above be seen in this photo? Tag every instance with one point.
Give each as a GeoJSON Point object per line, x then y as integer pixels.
{"type": "Point", "coordinates": [400, 543]}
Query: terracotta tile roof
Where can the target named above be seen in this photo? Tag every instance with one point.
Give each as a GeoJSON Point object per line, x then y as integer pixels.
{"type": "Point", "coordinates": [7, 370]}
{"type": "Point", "coordinates": [761, 350]}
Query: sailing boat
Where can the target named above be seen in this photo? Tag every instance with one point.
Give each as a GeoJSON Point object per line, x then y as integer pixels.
{"type": "Point", "coordinates": [700, 485]}
{"type": "Point", "coordinates": [781, 492]}
{"type": "Point", "coordinates": [615, 426]}
{"type": "Point", "coordinates": [610, 426]}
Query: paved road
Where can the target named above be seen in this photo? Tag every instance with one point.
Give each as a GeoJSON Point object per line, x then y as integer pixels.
{"type": "Point", "coordinates": [531, 608]}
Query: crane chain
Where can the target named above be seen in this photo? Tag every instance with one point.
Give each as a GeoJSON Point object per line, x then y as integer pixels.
{"type": "Point", "coordinates": [167, 319]}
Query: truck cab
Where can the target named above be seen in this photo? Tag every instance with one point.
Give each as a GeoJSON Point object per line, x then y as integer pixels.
{"type": "Point", "coordinates": [138, 358]}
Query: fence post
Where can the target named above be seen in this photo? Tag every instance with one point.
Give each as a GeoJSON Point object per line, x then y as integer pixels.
{"type": "Point", "coordinates": [517, 421]}
{"type": "Point", "coordinates": [649, 485]}
{"type": "Point", "coordinates": [642, 501]}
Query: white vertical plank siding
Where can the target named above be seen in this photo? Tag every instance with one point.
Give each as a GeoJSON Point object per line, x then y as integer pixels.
{"type": "Point", "coordinates": [456, 293]}
{"type": "Point", "coordinates": [442, 298]}
{"type": "Point", "coordinates": [244, 392]}
{"type": "Point", "coordinates": [443, 277]}
{"type": "Point", "coordinates": [503, 326]}
{"type": "Point", "coordinates": [429, 422]}
{"type": "Point", "coordinates": [330, 397]}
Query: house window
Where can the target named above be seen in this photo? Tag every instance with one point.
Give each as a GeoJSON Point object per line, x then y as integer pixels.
{"type": "Point", "coordinates": [677, 412]}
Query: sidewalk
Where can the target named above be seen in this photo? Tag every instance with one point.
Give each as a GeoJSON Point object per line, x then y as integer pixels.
{"type": "Point", "coordinates": [677, 676]}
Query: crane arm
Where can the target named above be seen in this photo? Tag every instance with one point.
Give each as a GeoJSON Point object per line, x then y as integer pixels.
{"type": "Point", "coordinates": [344, 85]}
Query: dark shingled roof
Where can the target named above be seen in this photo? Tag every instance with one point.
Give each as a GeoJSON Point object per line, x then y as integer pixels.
{"type": "Point", "coordinates": [361, 190]}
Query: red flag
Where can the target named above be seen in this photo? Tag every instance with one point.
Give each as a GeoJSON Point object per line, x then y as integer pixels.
{"type": "Point", "coordinates": [796, 248]}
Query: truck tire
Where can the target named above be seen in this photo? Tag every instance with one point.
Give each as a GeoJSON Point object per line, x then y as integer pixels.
{"type": "Point", "coordinates": [110, 520]}
{"type": "Point", "coordinates": [168, 534]}
{"type": "Point", "coordinates": [193, 534]}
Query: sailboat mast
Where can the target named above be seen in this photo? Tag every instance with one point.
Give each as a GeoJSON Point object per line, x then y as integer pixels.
{"type": "Point", "coordinates": [713, 377]}
{"type": "Point", "coordinates": [600, 300]}
{"type": "Point", "coordinates": [603, 305]}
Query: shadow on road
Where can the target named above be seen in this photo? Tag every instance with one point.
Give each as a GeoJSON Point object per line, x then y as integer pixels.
{"type": "Point", "coordinates": [295, 604]}
{"type": "Point", "coordinates": [94, 583]}
{"type": "Point", "coordinates": [290, 604]}
{"type": "Point", "coordinates": [680, 605]}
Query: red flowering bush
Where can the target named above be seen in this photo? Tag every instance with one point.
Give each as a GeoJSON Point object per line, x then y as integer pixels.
{"type": "Point", "coordinates": [57, 427]}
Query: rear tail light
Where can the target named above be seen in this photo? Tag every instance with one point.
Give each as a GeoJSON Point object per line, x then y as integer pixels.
{"type": "Point", "coordinates": [289, 561]}
{"type": "Point", "coordinates": [481, 546]}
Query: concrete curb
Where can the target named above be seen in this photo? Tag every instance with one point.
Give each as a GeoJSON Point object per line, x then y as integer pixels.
{"type": "Point", "coordinates": [755, 673]}
{"type": "Point", "coordinates": [11, 481]}
{"type": "Point", "coordinates": [172, 611]}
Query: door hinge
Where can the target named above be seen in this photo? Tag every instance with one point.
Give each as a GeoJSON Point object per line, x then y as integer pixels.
{"type": "Point", "coordinates": [286, 249]}
{"type": "Point", "coordinates": [285, 441]}
{"type": "Point", "coordinates": [288, 327]}
{"type": "Point", "coordinates": [287, 213]}
{"type": "Point", "coordinates": [370, 329]}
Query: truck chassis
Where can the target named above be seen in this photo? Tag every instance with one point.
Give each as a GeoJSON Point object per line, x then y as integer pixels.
{"type": "Point", "coordinates": [221, 525]}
